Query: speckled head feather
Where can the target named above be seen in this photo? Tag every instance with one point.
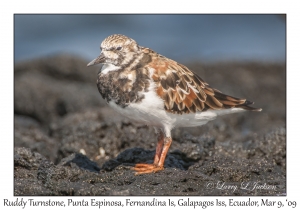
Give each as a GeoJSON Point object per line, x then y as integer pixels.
{"type": "Point", "coordinates": [116, 40]}
{"type": "Point", "coordinates": [119, 50]}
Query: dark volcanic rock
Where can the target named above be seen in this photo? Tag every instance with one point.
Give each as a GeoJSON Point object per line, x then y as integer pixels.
{"type": "Point", "coordinates": [26, 164]}
{"type": "Point", "coordinates": [45, 91]}
{"type": "Point", "coordinates": [77, 175]}
{"type": "Point", "coordinates": [74, 145]}
{"type": "Point", "coordinates": [62, 67]}
{"type": "Point", "coordinates": [81, 161]}
{"type": "Point", "coordinates": [29, 133]}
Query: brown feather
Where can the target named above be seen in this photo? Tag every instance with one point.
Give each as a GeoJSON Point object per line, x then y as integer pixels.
{"type": "Point", "coordinates": [183, 86]}
{"type": "Point", "coordinates": [186, 78]}
{"type": "Point", "coordinates": [188, 102]}
{"type": "Point", "coordinates": [160, 91]}
{"type": "Point", "coordinates": [181, 106]}
{"type": "Point", "coordinates": [192, 96]}
{"type": "Point", "coordinates": [212, 103]}
{"type": "Point", "coordinates": [201, 95]}
{"type": "Point", "coordinates": [164, 84]}
{"type": "Point", "coordinates": [167, 102]}
{"type": "Point", "coordinates": [171, 94]}
{"type": "Point", "coordinates": [180, 94]}
{"type": "Point", "coordinates": [174, 82]}
{"type": "Point", "coordinates": [192, 108]}
{"type": "Point", "coordinates": [209, 91]}
{"type": "Point", "coordinates": [170, 81]}
{"type": "Point", "coordinates": [231, 103]}
{"type": "Point", "coordinates": [177, 78]}
{"type": "Point", "coordinates": [199, 105]}
{"type": "Point", "coordinates": [229, 98]}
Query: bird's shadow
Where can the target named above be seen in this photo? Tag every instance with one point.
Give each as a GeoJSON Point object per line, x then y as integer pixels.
{"type": "Point", "coordinates": [81, 161]}
{"type": "Point", "coordinates": [130, 157]}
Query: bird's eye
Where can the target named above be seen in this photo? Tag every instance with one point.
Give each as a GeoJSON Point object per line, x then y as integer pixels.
{"type": "Point", "coordinates": [119, 48]}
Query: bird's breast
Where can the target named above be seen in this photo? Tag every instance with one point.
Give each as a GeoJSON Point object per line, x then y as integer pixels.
{"type": "Point", "coordinates": [122, 86]}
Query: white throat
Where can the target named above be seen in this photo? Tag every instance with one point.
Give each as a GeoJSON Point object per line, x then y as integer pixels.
{"type": "Point", "coordinates": [107, 67]}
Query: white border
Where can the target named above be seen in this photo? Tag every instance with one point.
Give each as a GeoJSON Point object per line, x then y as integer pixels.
{"type": "Point", "coordinates": [8, 8]}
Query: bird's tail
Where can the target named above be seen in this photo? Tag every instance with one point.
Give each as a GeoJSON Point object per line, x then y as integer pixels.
{"type": "Point", "coordinates": [233, 102]}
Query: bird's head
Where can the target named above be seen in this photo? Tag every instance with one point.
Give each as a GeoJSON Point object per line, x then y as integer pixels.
{"type": "Point", "coordinates": [118, 50]}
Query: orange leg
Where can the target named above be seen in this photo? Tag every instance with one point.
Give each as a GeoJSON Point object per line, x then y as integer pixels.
{"type": "Point", "coordinates": [159, 158]}
{"type": "Point", "coordinates": [159, 147]}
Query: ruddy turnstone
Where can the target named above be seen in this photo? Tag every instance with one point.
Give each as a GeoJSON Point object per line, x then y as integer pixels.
{"type": "Point", "coordinates": [150, 88]}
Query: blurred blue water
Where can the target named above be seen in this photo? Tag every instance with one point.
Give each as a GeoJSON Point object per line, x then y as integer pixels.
{"type": "Point", "coordinates": [180, 37]}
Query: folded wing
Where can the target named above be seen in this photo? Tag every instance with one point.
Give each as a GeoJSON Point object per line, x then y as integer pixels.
{"type": "Point", "coordinates": [185, 92]}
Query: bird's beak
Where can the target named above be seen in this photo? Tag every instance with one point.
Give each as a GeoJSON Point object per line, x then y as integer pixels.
{"type": "Point", "coordinates": [99, 59]}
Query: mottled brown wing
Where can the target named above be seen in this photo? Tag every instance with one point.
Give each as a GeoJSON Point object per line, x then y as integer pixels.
{"type": "Point", "coordinates": [185, 92]}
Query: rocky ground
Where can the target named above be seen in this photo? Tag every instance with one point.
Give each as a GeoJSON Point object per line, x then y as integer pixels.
{"type": "Point", "coordinates": [68, 142]}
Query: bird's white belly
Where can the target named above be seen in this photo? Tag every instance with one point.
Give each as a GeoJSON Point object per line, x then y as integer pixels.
{"type": "Point", "coordinates": [150, 111]}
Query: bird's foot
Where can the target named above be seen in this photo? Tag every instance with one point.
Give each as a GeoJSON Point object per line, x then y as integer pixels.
{"type": "Point", "coordinates": [144, 168]}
